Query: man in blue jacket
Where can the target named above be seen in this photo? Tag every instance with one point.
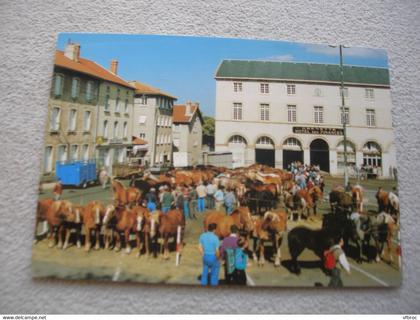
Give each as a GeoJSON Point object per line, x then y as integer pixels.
{"type": "Point", "coordinates": [209, 249]}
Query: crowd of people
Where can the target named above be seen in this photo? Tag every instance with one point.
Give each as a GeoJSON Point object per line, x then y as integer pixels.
{"type": "Point", "coordinates": [306, 176]}
{"type": "Point", "coordinates": [191, 200]}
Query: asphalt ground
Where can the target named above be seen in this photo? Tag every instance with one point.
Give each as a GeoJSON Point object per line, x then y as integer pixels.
{"type": "Point", "coordinates": [76, 264]}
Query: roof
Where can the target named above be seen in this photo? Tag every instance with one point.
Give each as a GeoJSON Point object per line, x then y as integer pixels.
{"type": "Point", "coordinates": [142, 88]}
{"type": "Point", "coordinates": [179, 114]}
{"type": "Point", "coordinates": [88, 67]}
{"type": "Point", "coordinates": [138, 141]}
{"type": "Point", "coordinates": [273, 70]}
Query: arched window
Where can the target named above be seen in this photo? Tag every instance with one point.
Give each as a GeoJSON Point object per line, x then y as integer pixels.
{"type": "Point", "coordinates": [236, 139]}
{"type": "Point", "coordinates": [372, 154]}
{"type": "Point", "coordinates": [292, 144]}
{"type": "Point", "coordinates": [265, 140]}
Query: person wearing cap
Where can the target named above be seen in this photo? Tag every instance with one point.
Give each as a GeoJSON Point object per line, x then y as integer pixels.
{"type": "Point", "coordinates": [103, 177]}
{"type": "Point", "coordinates": [58, 190]}
{"type": "Point", "coordinates": [168, 200]}
{"type": "Point", "coordinates": [193, 201]}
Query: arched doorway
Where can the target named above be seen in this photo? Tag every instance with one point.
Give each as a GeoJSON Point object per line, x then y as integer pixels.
{"type": "Point", "coordinates": [372, 154]}
{"type": "Point", "coordinates": [320, 155]}
{"type": "Point", "coordinates": [292, 152]}
{"type": "Point", "coordinates": [237, 145]}
{"type": "Point", "coordinates": [351, 156]}
{"type": "Point", "coordinates": [264, 151]}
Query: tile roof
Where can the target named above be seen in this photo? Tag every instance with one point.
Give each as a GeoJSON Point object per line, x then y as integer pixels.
{"type": "Point", "coordinates": [88, 67]}
{"type": "Point", "coordinates": [138, 141]}
{"type": "Point", "coordinates": [272, 70]}
{"type": "Point", "coordinates": [142, 88]}
{"type": "Point", "coordinates": [179, 113]}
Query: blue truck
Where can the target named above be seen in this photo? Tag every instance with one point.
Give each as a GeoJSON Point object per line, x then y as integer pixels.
{"type": "Point", "coordinates": [76, 173]}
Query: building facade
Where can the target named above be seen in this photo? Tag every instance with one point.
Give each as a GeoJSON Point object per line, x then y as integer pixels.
{"type": "Point", "coordinates": [187, 135]}
{"type": "Point", "coordinates": [275, 113]}
{"type": "Point", "coordinates": [152, 121]}
{"type": "Point", "coordinates": [115, 111]}
{"type": "Point", "coordinates": [71, 123]}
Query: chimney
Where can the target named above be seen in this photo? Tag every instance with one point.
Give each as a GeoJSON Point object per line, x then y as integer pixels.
{"type": "Point", "coordinates": [189, 107]}
{"type": "Point", "coordinates": [72, 51]}
{"type": "Point", "coordinates": [114, 66]}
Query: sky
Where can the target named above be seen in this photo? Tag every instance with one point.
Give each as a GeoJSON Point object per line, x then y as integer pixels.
{"type": "Point", "coordinates": [185, 66]}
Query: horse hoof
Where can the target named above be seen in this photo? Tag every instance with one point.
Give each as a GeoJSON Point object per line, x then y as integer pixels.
{"type": "Point", "coordinates": [127, 250]}
{"type": "Point", "coordinates": [254, 257]}
{"type": "Point", "coordinates": [79, 244]}
{"type": "Point", "coordinates": [377, 259]}
{"type": "Point", "coordinates": [116, 249]}
{"type": "Point", "coordinates": [65, 247]}
{"type": "Point", "coordinates": [50, 245]}
{"type": "Point", "coordinates": [59, 246]}
{"type": "Point", "coordinates": [277, 263]}
{"type": "Point", "coordinates": [138, 255]}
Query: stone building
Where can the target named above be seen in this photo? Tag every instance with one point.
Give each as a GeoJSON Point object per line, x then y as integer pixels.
{"type": "Point", "coordinates": [71, 123]}
{"type": "Point", "coordinates": [152, 121]}
{"type": "Point", "coordinates": [278, 112]}
{"type": "Point", "coordinates": [187, 135]}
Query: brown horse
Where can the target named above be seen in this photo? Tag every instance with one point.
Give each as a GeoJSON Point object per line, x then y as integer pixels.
{"type": "Point", "coordinates": [73, 221]}
{"type": "Point", "coordinates": [143, 221]}
{"type": "Point", "coordinates": [240, 217]}
{"type": "Point", "coordinates": [357, 194]}
{"type": "Point", "coordinates": [271, 227]}
{"type": "Point", "coordinates": [168, 226]}
{"type": "Point", "coordinates": [125, 196]}
{"type": "Point", "coordinates": [56, 215]}
{"type": "Point", "coordinates": [41, 211]}
{"type": "Point", "coordinates": [92, 217]}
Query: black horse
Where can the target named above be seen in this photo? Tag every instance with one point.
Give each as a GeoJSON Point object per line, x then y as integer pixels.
{"type": "Point", "coordinates": [334, 227]}
{"type": "Point", "coordinates": [259, 202]}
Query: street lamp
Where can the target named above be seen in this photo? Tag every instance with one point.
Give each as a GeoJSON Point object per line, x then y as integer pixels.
{"type": "Point", "coordinates": [343, 113]}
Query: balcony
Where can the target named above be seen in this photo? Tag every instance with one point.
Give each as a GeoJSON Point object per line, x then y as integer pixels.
{"type": "Point", "coordinates": [115, 141]}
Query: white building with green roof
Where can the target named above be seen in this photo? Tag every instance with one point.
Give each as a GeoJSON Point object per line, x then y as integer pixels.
{"type": "Point", "coordinates": [275, 113]}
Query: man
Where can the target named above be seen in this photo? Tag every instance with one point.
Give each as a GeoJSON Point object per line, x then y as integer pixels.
{"type": "Point", "coordinates": [219, 196]}
{"type": "Point", "coordinates": [193, 201]}
{"type": "Point", "coordinates": [58, 190]}
{"type": "Point", "coordinates": [202, 193]}
{"type": "Point", "coordinates": [229, 201]}
{"type": "Point", "coordinates": [341, 259]}
{"type": "Point", "coordinates": [103, 177]}
{"type": "Point", "coordinates": [209, 249]}
{"type": "Point", "coordinates": [151, 199]}
{"type": "Point", "coordinates": [227, 253]}
{"type": "Point", "coordinates": [168, 200]}
{"type": "Point", "coordinates": [211, 189]}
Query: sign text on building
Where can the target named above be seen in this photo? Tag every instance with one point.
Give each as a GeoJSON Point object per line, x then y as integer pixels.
{"type": "Point", "coordinates": [318, 130]}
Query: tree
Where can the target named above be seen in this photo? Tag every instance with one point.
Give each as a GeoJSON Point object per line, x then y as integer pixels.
{"type": "Point", "coordinates": [208, 132]}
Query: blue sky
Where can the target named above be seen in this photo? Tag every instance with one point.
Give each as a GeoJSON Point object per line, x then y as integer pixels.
{"type": "Point", "coordinates": [184, 66]}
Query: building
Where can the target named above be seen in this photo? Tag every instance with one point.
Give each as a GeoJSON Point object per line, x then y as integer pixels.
{"type": "Point", "coordinates": [114, 114]}
{"type": "Point", "coordinates": [71, 125]}
{"type": "Point", "coordinates": [278, 112]}
{"type": "Point", "coordinates": [187, 135]}
{"type": "Point", "coordinates": [152, 121]}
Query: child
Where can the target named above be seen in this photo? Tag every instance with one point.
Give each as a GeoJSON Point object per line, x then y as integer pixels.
{"type": "Point", "coordinates": [241, 260]}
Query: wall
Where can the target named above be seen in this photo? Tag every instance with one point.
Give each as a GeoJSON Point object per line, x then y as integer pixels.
{"type": "Point", "coordinates": [28, 35]}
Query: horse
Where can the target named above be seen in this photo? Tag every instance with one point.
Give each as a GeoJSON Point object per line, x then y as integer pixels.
{"type": "Point", "coordinates": [55, 215]}
{"type": "Point", "coordinates": [125, 196]}
{"type": "Point", "coordinates": [383, 229]}
{"type": "Point", "coordinates": [241, 217]}
{"type": "Point", "coordinates": [168, 226]}
{"type": "Point", "coordinates": [295, 203]}
{"type": "Point", "coordinates": [73, 221]}
{"type": "Point", "coordinates": [41, 210]}
{"type": "Point", "coordinates": [340, 200]}
{"type": "Point", "coordinates": [92, 217]}
{"type": "Point", "coordinates": [259, 201]}
{"type": "Point", "coordinates": [271, 227]}
{"type": "Point", "coordinates": [357, 195]}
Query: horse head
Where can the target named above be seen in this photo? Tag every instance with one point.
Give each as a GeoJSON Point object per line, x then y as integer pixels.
{"type": "Point", "coordinates": [110, 212]}
{"type": "Point", "coordinates": [245, 219]}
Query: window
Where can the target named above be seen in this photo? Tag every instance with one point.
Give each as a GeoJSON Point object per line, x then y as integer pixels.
{"type": "Point", "coordinates": [58, 85]}
{"type": "Point", "coordinates": [86, 121]}
{"type": "Point", "coordinates": [345, 116]}
{"type": "Point", "coordinates": [85, 152]}
{"type": "Point", "coordinates": [237, 140]}
{"type": "Point", "coordinates": [370, 118]}
{"type": "Point", "coordinates": [89, 91]}
{"type": "Point", "coordinates": [72, 120]}
{"type": "Point", "coordinates": [116, 129]}
{"type": "Point", "coordinates": [55, 119]}
{"type": "Point", "coordinates": [237, 111]}
{"type": "Point", "coordinates": [264, 112]}
{"type": "Point", "coordinates": [142, 135]}
{"type": "Point", "coordinates": [117, 104]}
{"type": "Point", "coordinates": [291, 113]}
{"type": "Point", "coordinates": [143, 100]}
{"type": "Point", "coordinates": [142, 119]}
{"type": "Point", "coordinates": [48, 159]}
{"type": "Point", "coordinates": [344, 91]}
{"type": "Point", "coordinates": [107, 103]}
{"type": "Point", "coordinates": [319, 114]}
{"type": "Point", "coordinates": [62, 153]}
{"type": "Point", "coordinates": [74, 152]}
{"type": "Point", "coordinates": [121, 153]}
{"type": "Point", "coordinates": [105, 129]}
{"type": "Point", "coordinates": [369, 94]}
{"type": "Point", "coordinates": [125, 130]}
{"type": "Point", "coordinates": [126, 106]}
{"type": "Point", "coordinates": [237, 86]}
{"type": "Point", "coordinates": [264, 88]}
{"type": "Point", "coordinates": [74, 88]}
{"type": "Point", "coordinates": [291, 89]}
{"type": "Point", "coordinates": [292, 142]}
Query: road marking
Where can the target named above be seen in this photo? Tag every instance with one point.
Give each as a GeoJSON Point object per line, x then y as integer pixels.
{"type": "Point", "coordinates": [249, 281]}
{"type": "Point", "coordinates": [371, 276]}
